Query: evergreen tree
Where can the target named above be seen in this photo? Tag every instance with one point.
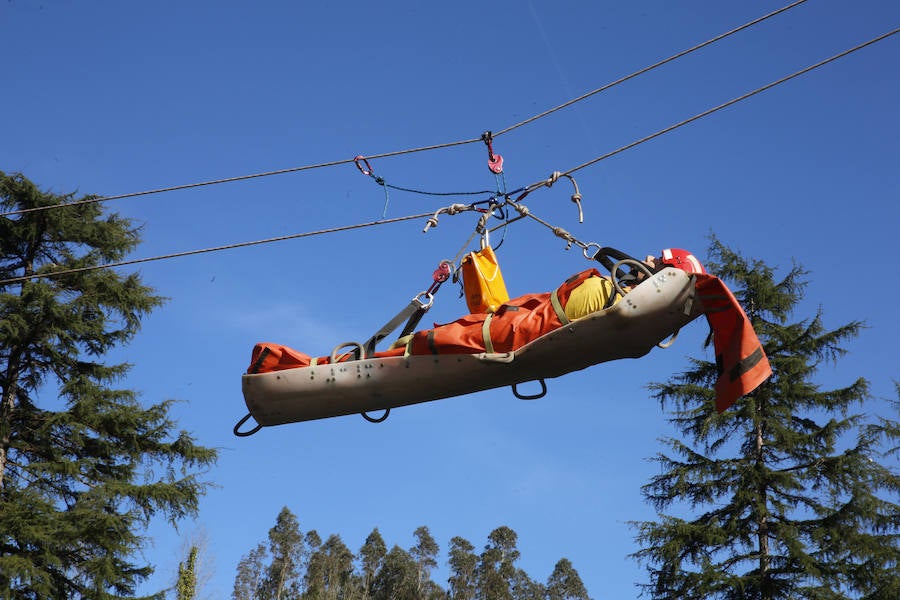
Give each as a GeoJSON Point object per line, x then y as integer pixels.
{"type": "Point", "coordinates": [525, 588]}
{"type": "Point", "coordinates": [425, 554]}
{"type": "Point", "coordinates": [565, 583]}
{"type": "Point", "coordinates": [83, 465]}
{"type": "Point", "coordinates": [250, 576]}
{"type": "Point", "coordinates": [787, 494]}
{"type": "Point", "coordinates": [330, 572]}
{"type": "Point", "coordinates": [463, 563]}
{"type": "Point", "coordinates": [496, 570]}
{"type": "Point", "coordinates": [371, 556]}
{"type": "Point", "coordinates": [398, 578]}
{"type": "Point", "coordinates": [286, 549]}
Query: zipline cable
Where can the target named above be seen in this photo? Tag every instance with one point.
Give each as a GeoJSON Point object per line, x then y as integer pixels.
{"type": "Point", "coordinates": [214, 249]}
{"type": "Point", "coordinates": [717, 108]}
{"type": "Point", "coordinates": [650, 68]}
{"type": "Point", "coordinates": [412, 150]}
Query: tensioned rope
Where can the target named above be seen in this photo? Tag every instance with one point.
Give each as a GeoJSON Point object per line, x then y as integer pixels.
{"type": "Point", "coordinates": [213, 249]}
{"type": "Point", "coordinates": [650, 68]}
{"type": "Point", "coordinates": [530, 188]}
{"type": "Point", "coordinates": [710, 111]}
{"type": "Point", "coordinates": [422, 148]}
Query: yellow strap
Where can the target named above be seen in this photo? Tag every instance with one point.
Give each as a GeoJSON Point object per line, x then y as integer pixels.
{"type": "Point", "coordinates": [486, 333]}
{"type": "Point", "coordinates": [558, 309]}
{"type": "Point", "coordinates": [313, 362]}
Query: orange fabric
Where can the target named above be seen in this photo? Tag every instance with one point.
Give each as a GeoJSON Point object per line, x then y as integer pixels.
{"type": "Point", "coordinates": [741, 360]}
{"type": "Point", "coordinates": [517, 322]}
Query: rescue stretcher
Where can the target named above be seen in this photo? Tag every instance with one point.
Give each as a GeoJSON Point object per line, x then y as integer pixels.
{"type": "Point", "coordinates": [645, 317]}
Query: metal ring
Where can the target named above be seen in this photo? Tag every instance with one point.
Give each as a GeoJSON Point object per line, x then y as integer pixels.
{"type": "Point", "coordinates": [587, 246]}
{"type": "Point", "coordinates": [430, 299]}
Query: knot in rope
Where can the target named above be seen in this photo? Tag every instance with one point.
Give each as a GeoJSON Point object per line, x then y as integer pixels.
{"type": "Point", "coordinates": [554, 177]}
{"type": "Point", "coordinates": [455, 209]}
{"type": "Point", "coordinates": [523, 210]}
{"type": "Point", "coordinates": [562, 233]}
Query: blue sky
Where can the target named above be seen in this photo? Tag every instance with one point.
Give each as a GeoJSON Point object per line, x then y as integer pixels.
{"type": "Point", "coordinates": [117, 97]}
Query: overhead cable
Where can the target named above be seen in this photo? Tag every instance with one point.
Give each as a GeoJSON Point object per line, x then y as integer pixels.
{"type": "Point", "coordinates": [413, 150]}
{"type": "Point", "coordinates": [214, 249]}
{"type": "Point", "coordinates": [650, 68]}
{"type": "Point", "coordinates": [527, 190]}
{"type": "Point", "coordinates": [719, 107]}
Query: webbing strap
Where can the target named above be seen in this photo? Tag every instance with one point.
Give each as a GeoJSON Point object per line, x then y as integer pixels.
{"type": "Point", "coordinates": [486, 334]}
{"type": "Point", "coordinates": [558, 309]}
{"type": "Point", "coordinates": [412, 314]}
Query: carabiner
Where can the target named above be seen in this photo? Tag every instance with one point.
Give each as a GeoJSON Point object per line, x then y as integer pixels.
{"type": "Point", "coordinates": [368, 168]}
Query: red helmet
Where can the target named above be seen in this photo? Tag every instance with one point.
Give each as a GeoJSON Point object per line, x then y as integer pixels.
{"type": "Point", "coordinates": [681, 259]}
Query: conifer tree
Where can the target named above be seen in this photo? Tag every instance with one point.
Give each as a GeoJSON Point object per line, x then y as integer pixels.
{"type": "Point", "coordinates": [84, 466]}
{"type": "Point", "coordinates": [785, 493]}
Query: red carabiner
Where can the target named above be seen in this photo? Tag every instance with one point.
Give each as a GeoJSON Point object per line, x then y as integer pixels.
{"type": "Point", "coordinates": [368, 168]}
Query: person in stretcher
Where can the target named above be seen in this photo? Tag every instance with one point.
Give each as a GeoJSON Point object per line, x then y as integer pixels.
{"type": "Point", "coordinates": [513, 324]}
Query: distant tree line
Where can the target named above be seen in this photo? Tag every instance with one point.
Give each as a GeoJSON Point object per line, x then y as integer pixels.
{"type": "Point", "coordinates": [292, 565]}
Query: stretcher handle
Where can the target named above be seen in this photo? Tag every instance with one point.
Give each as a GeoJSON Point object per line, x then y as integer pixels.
{"type": "Point", "coordinates": [380, 419]}
{"type": "Point", "coordinates": [245, 433]}
{"type": "Point", "coordinates": [541, 394]}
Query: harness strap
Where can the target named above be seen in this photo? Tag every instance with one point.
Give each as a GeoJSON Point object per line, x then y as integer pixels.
{"type": "Point", "coordinates": [412, 314]}
{"type": "Point", "coordinates": [558, 308]}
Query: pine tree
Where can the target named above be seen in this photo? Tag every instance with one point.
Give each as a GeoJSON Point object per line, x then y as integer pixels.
{"type": "Point", "coordinates": [785, 490]}
{"type": "Point", "coordinates": [84, 466]}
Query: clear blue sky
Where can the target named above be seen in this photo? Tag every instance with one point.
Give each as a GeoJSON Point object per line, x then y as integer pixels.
{"type": "Point", "coordinates": [116, 97]}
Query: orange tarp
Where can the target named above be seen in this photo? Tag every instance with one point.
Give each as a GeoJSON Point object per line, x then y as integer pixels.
{"type": "Point", "coordinates": [740, 358]}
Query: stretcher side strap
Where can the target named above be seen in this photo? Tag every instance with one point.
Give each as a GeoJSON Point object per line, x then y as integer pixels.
{"type": "Point", "coordinates": [558, 308]}
{"type": "Point", "coordinates": [486, 334]}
